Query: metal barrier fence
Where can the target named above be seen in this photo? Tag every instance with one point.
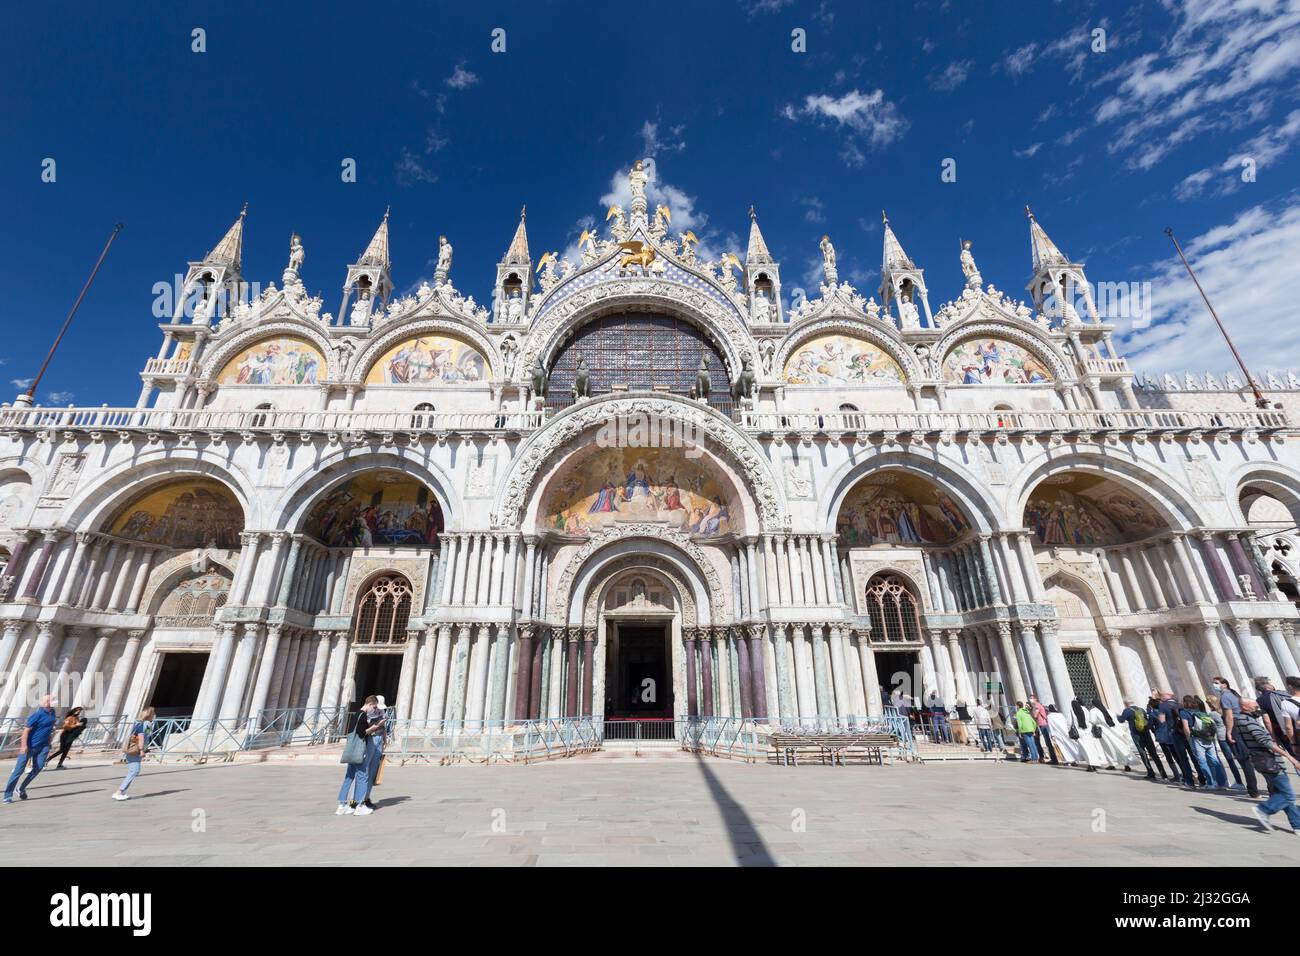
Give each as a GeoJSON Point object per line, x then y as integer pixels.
{"type": "Point", "coordinates": [490, 741]}
{"type": "Point", "coordinates": [889, 722]}
{"type": "Point", "coordinates": [662, 733]}
{"type": "Point", "coordinates": [736, 737]}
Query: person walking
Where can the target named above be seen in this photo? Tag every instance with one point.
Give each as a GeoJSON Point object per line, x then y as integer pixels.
{"type": "Point", "coordinates": [999, 726]}
{"type": "Point", "coordinates": [1116, 745]}
{"type": "Point", "coordinates": [1231, 702]}
{"type": "Point", "coordinates": [1215, 709]}
{"type": "Point", "coordinates": [1045, 748]}
{"type": "Point", "coordinates": [1089, 738]}
{"type": "Point", "coordinates": [1203, 735]}
{"type": "Point", "coordinates": [74, 722]}
{"type": "Point", "coordinates": [1279, 712]}
{"type": "Point", "coordinates": [137, 742]}
{"type": "Point", "coordinates": [983, 726]}
{"type": "Point", "coordinates": [369, 727]}
{"type": "Point", "coordinates": [1170, 737]}
{"type": "Point", "coordinates": [1139, 729]}
{"type": "Point", "coordinates": [1026, 728]}
{"type": "Point", "coordinates": [33, 747]}
{"type": "Point", "coordinates": [1070, 749]}
{"type": "Point", "coordinates": [1270, 760]}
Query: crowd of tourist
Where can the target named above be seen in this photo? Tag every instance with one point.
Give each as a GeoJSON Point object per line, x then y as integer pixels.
{"type": "Point", "coordinates": [1201, 740]}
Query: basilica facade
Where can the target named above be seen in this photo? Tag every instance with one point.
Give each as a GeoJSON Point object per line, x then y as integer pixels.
{"type": "Point", "coordinates": [642, 484]}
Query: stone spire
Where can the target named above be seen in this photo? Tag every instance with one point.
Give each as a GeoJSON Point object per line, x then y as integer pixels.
{"type": "Point", "coordinates": [1041, 248]}
{"type": "Point", "coordinates": [518, 251]}
{"type": "Point", "coordinates": [376, 253]}
{"type": "Point", "coordinates": [227, 252]}
{"type": "Point", "coordinates": [757, 252]}
{"type": "Point", "coordinates": [895, 257]}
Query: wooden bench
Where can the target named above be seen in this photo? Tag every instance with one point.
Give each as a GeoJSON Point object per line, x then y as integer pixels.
{"type": "Point", "coordinates": [839, 748]}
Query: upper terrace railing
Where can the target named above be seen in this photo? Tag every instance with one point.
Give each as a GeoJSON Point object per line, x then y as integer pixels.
{"type": "Point", "coordinates": [1055, 420]}
{"type": "Point", "coordinates": [272, 421]}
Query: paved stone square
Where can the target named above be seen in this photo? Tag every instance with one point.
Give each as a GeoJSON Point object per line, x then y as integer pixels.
{"type": "Point", "coordinates": [598, 810]}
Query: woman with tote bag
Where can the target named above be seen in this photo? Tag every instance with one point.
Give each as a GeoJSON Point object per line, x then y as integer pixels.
{"type": "Point", "coordinates": [361, 753]}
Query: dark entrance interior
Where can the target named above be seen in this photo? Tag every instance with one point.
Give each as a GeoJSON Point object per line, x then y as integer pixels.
{"type": "Point", "coordinates": [638, 676]}
{"type": "Point", "coordinates": [898, 669]}
{"type": "Point", "coordinates": [376, 674]}
{"type": "Point", "coordinates": [177, 689]}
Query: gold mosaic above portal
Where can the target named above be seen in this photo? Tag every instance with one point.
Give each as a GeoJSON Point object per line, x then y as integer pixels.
{"type": "Point", "coordinates": [279, 361]}
{"type": "Point", "coordinates": [840, 360]}
{"type": "Point", "coordinates": [430, 360]}
{"type": "Point", "coordinates": [194, 513]}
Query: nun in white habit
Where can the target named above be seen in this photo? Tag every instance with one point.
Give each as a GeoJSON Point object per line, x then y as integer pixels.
{"type": "Point", "coordinates": [1093, 754]}
{"type": "Point", "coordinates": [1117, 746]}
{"type": "Point", "coordinates": [1070, 750]}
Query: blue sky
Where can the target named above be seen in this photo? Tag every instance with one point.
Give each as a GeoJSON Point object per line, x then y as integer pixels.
{"type": "Point", "coordinates": [1109, 147]}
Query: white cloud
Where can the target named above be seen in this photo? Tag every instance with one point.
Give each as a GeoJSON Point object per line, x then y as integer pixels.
{"type": "Point", "coordinates": [952, 77]}
{"type": "Point", "coordinates": [814, 210]}
{"type": "Point", "coordinates": [461, 78]}
{"type": "Point", "coordinates": [1247, 269]}
{"type": "Point", "coordinates": [60, 398]}
{"type": "Point", "coordinates": [21, 382]}
{"type": "Point", "coordinates": [868, 117]}
{"type": "Point", "coordinates": [411, 169]}
{"type": "Point", "coordinates": [1029, 151]}
{"type": "Point", "coordinates": [1020, 61]}
{"type": "Point", "coordinates": [655, 143]}
{"type": "Point", "coordinates": [1261, 150]}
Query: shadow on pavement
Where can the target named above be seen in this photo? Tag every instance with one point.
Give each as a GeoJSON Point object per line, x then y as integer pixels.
{"type": "Point", "coordinates": [1231, 818]}
{"type": "Point", "coordinates": [746, 845]}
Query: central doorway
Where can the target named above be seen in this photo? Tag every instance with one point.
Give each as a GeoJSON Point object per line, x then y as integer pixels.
{"type": "Point", "coordinates": [638, 675]}
{"type": "Point", "coordinates": [376, 673]}
{"type": "Point", "coordinates": [177, 689]}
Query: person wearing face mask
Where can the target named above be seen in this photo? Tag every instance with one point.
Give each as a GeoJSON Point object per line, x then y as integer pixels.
{"type": "Point", "coordinates": [1230, 701]}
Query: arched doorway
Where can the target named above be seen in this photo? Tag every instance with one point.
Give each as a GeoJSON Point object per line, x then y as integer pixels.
{"type": "Point", "coordinates": [379, 637]}
{"type": "Point", "coordinates": [639, 614]}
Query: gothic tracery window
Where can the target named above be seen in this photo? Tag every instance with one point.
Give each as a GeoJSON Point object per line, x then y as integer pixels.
{"type": "Point", "coordinates": [892, 609]}
{"type": "Point", "coordinates": [383, 611]}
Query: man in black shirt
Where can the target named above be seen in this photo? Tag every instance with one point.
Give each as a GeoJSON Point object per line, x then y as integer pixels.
{"type": "Point", "coordinates": [1270, 760]}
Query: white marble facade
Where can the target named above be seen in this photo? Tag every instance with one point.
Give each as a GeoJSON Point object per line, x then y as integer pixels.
{"type": "Point", "coordinates": [975, 494]}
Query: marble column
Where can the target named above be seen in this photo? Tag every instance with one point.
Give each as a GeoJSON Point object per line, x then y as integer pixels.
{"type": "Point", "coordinates": [1175, 637]}
{"type": "Point", "coordinates": [821, 680]}
{"type": "Point", "coordinates": [320, 666]}
{"type": "Point", "coordinates": [1009, 660]}
{"type": "Point", "coordinates": [442, 655]}
{"type": "Point", "coordinates": [523, 677]}
{"type": "Point", "coordinates": [842, 706]}
{"type": "Point", "coordinates": [964, 691]}
{"type": "Point", "coordinates": [803, 679]}
{"type": "Point", "coordinates": [1281, 652]}
{"type": "Point", "coordinates": [588, 671]}
{"type": "Point", "coordinates": [405, 702]}
{"type": "Point", "coordinates": [1158, 675]}
{"type": "Point", "coordinates": [1113, 645]}
{"type": "Point", "coordinates": [870, 676]}
{"type": "Point", "coordinates": [1210, 551]}
{"type": "Point", "coordinates": [535, 677]}
{"type": "Point", "coordinates": [705, 638]}
{"type": "Point", "coordinates": [1246, 567]}
{"type": "Point", "coordinates": [757, 667]}
{"type": "Point", "coordinates": [214, 680]}
{"type": "Point", "coordinates": [943, 668]}
{"type": "Point", "coordinates": [572, 659]}
{"type": "Point", "coordinates": [692, 697]}
{"type": "Point", "coordinates": [424, 674]}
{"type": "Point", "coordinates": [1255, 651]}
{"type": "Point", "coordinates": [122, 673]}
{"type": "Point", "coordinates": [743, 665]}
{"type": "Point", "coordinates": [33, 589]}
{"type": "Point", "coordinates": [785, 692]}
{"type": "Point", "coordinates": [13, 572]}
{"type": "Point", "coordinates": [1214, 644]}
{"type": "Point", "coordinates": [84, 694]}
{"type": "Point", "coordinates": [72, 577]}
{"type": "Point", "coordinates": [459, 680]}
{"type": "Point", "coordinates": [1055, 659]}
{"type": "Point", "coordinates": [232, 695]}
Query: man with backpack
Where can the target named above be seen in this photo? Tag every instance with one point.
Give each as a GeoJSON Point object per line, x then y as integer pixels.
{"type": "Point", "coordinates": [1270, 760]}
{"type": "Point", "coordinates": [1202, 733]}
{"type": "Point", "coordinates": [1170, 737]}
{"type": "Point", "coordinates": [1139, 729]}
{"type": "Point", "coordinates": [1278, 710]}
{"type": "Point", "coordinates": [1230, 701]}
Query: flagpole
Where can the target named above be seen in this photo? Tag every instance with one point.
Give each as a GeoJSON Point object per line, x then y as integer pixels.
{"type": "Point", "coordinates": [29, 395]}
{"type": "Point", "coordinates": [1260, 400]}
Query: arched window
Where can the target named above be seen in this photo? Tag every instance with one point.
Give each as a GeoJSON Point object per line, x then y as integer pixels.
{"type": "Point", "coordinates": [423, 417]}
{"type": "Point", "coordinates": [260, 420]}
{"type": "Point", "coordinates": [892, 609]}
{"type": "Point", "coordinates": [383, 611]}
{"type": "Point", "coordinates": [848, 407]}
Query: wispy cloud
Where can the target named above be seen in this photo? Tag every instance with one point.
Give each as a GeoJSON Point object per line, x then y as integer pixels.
{"type": "Point", "coordinates": [1029, 151]}
{"type": "Point", "coordinates": [461, 78]}
{"type": "Point", "coordinates": [60, 398]}
{"type": "Point", "coordinates": [659, 142]}
{"type": "Point", "coordinates": [1259, 152]}
{"type": "Point", "coordinates": [867, 119]}
{"type": "Point", "coordinates": [21, 382]}
{"type": "Point", "coordinates": [953, 76]}
{"type": "Point", "coordinates": [411, 169]}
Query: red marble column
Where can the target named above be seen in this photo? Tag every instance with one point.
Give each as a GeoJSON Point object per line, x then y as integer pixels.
{"type": "Point", "coordinates": [706, 671]}
{"type": "Point", "coordinates": [746, 677]}
{"type": "Point", "coordinates": [535, 681]}
{"type": "Point", "coordinates": [759, 701]}
{"type": "Point", "coordinates": [42, 562]}
{"type": "Point", "coordinates": [524, 672]}
{"type": "Point", "coordinates": [692, 696]}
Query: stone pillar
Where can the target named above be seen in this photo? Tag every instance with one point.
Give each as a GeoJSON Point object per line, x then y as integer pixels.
{"type": "Point", "coordinates": [524, 666]}
{"type": "Point", "coordinates": [1175, 638]}
{"type": "Point", "coordinates": [785, 693]}
{"type": "Point", "coordinates": [1153, 579]}
{"type": "Point", "coordinates": [535, 678]}
{"type": "Point", "coordinates": [571, 680]}
{"type": "Point", "coordinates": [290, 568]}
{"type": "Point", "coordinates": [424, 674]}
{"type": "Point", "coordinates": [72, 578]}
{"type": "Point", "coordinates": [232, 695]}
{"type": "Point", "coordinates": [692, 698]}
{"type": "Point", "coordinates": [482, 658]}
{"type": "Point", "coordinates": [1113, 645]}
{"type": "Point", "coordinates": [962, 675]}
{"type": "Point", "coordinates": [870, 677]}
{"type": "Point", "coordinates": [85, 687]}
{"type": "Point", "coordinates": [441, 674]}
{"type": "Point", "coordinates": [803, 678]}
{"type": "Point", "coordinates": [1139, 601]}
{"type": "Point", "coordinates": [841, 706]}
{"type": "Point", "coordinates": [61, 671]}
{"type": "Point", "coordinates": [250, 544]}
{"type": "Point", "coordinates": [1281, 652]}
{"type": "Point", "coordinates": [316, 686]}
{"type": "Point", "coordinates": [757, 668]}
{"type": "Point", "coordinates": [1009, 660]}
{"type": "Point", "coordinates": [267, 670]}
{"type": "Point", "coordinates": [122, 673]}
{"type": "Point", "coordinates": [1158, 674]}
{"type": "Point", "coordinates": [1245, 566]}
{"type": "Point", "coordinates": [8, 646]}
{"type": "Point", "coordinates": [459, 674]}
{"type": "Point", "coordinates": [406, 678]}
{"type": "Point", "coordinates": [588, 671]}
{"type": "Point", "coordinates": [986, 556]}
{"type": "Point", "coordinates": [821, 679]}
{"type": "Point", "coordinates": [942, 668]}
{"type": "Point", "coordinates": [705, 638]}
{"type": "Point", "coordinates": [214, 680]}
{"type": "Point", "coordinates": [1222, 582]}
{"type": "Point", "coordinates": [1055, 659]}
{"type": "Point", "coordinates": [1030, 568]}
{"type": "Point", "coordinates": [744, 665]}
{"type": "Point", "coordinates": [13, 572]}
{"type": "Point", "coordinates": [33, 589]}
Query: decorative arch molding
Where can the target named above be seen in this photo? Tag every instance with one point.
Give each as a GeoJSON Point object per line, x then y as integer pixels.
{"type": "Point", "coordinates": [34, 470]}
{"type": "Point", "coordinates": [912, 573]}
{"type": "Point", "coordinates": [393, 333]}
{"type": "Point", "coordinates": [1171, 502]}
{"type": "Point", "coordinates": [291, 509]}
{"type": "Point", "coordinates": [1078, 576]}
{"type": "Point", "coordinates": [1027, 336]}
{"type": "Point", "coordinates": [166, 574]}
{"type": "Point", "coordinates": [541, 448]}
{"type": "Point", "coordinates": [226, 348]}
{"type": "Point", "coordinates": [1277, 480]}
{"type": "Point", "coordinates": [631, 564]}
{"type": "Point", "coordinates": [102, 497]}
{"type": "Point", "coordinates": [725, 326]}
{"type": "Point", "coordinates": [878, 334]}
{"type": "Point", "coordinates": [981, 506]}
{"type": "Point", "coordinates": [632, 541]}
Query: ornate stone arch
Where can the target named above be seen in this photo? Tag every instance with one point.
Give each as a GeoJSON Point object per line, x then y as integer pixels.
{"type": "Point", "coordinates": [392, 333]}
{"type": "Point", "coordinates": [630, 564]}
{"type": "Point", "coordinates": [1170, 502]}
{"type": "Point", "coordinates": [293, 505]}
{"type": "Point", "coordinates": [1027, 337]}
{"type": "Point", "coordinates": [226, 346]}
{"type": "Point", "coordinates": [1085, 578]}
{"type": "Point", "coordinates": [540, 448]}
{"type": "Point", "coordinates": [166, 574]}
{"type": "Point", "coordinates": [628, 538]}
{"type": "Point", "coordinates": [102, 497]}
{"type": "Point", "coordinates": [724, 325]}
{"type": "Point", "coordinates": [980, 504]}
{"type": "Point", "coordinates": [1277, 480]}
{"type": "Point", "coordinates": [876, 333]}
